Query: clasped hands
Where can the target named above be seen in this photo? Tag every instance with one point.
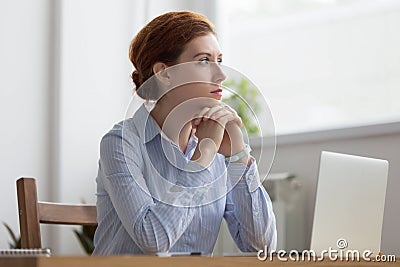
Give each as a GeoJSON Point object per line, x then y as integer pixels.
{"type": "Point", "coordinates": [218, 130]}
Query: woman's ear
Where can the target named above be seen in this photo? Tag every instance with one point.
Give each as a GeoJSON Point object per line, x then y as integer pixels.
{"type": "Point", "coordinates": [160, 73]}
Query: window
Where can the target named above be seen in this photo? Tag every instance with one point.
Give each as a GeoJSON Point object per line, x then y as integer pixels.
{"type": "Point", "coordinates": [321, 64]}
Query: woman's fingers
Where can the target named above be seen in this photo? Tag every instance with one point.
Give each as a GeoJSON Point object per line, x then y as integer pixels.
{"type": "Point", "coordinates": [212, 111]}
{"type": "Point", "coordinates": [219, 113]}
{"type": "Point", "coordinates": [216, 113]}
{"type": "Point", "coordinates": [225, 111]}
{"type": "Point", "coordinates": [238, 120]}
{"type": "Point", "coordinates": [228, 117]}
{"type": "Point", "coordinates": [197, 118]}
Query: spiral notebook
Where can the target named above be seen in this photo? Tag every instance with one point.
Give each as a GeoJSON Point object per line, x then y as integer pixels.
{"type": "Point", "coordinates": [25, 252]}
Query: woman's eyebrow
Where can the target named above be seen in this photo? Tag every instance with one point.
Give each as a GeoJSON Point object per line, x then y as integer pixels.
{"type": "Point", "coordinates": [206, 54]}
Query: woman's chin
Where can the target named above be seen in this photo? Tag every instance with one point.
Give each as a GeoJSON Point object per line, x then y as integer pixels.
{"type": "Point", "coordinates": [215, 96]}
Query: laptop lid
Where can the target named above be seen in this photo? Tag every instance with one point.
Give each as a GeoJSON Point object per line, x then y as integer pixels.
{"type": "Point", "coordinates": [349, 203]}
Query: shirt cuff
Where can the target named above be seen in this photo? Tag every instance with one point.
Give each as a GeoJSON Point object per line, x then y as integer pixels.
{"type": "Point", "coordinates": [239, 171]}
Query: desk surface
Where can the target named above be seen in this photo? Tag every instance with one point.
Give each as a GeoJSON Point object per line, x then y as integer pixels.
{"type": "Point", "coordinates": [150, 261]}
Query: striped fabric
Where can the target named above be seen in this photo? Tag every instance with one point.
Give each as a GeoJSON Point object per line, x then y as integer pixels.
{"type": "Point", "coordinates": [152, 198]}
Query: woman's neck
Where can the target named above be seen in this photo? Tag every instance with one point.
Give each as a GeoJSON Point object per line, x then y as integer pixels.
{"type": "Point", "coordinates": [175, 127]}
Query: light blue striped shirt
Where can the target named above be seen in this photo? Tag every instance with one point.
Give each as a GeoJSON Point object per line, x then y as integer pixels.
{"type": "Point", "coordinates": [152, 198]}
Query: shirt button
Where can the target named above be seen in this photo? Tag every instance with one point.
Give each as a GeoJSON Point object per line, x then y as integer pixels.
{"type": "Point", "coordinates": [256, 213]}
{"type": "Point", "coordinates": [251, 176]}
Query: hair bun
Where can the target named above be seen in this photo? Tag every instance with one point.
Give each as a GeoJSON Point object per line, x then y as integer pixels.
{"type": "Point", "coordinates": [136, 79]}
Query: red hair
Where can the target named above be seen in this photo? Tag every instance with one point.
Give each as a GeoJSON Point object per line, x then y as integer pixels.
{"type": "Point", "coordinates": [163, 40]}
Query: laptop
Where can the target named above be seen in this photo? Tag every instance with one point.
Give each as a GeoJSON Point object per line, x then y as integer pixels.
{"type": "Point", "coordinates": [349, 203]}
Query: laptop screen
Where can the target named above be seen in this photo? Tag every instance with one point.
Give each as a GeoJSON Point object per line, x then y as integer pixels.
{"type": "Point", "coordinates": [349, 203]}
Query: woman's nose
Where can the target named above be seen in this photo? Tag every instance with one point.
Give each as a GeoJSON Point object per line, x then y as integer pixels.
{"type": "Point", "coordinates": [218, 74]}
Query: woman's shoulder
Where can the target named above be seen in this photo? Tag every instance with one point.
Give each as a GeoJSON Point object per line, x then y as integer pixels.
{"type": "Point", "coordinates": [124, 130]}
{"type": "Point", "coordinates": [121, 144]}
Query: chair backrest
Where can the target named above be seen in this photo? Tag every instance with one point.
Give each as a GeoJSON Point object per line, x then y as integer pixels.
{"type": "Point", "coordinates": [33, 212]}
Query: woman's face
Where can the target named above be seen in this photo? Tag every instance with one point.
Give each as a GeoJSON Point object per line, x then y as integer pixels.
{"type": "Point", "coordinates": [198, 74]}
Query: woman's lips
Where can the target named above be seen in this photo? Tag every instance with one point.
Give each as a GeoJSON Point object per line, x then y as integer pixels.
{"type": "Point", "coordinates": [217, 92]}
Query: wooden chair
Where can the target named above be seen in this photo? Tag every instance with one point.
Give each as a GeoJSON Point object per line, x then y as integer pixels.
{"type": "Point", "coordinates": [33, 212]}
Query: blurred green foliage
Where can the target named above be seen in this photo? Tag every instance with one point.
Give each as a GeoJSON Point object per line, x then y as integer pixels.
{"type": "Point", "coordinates": [16, 241]}
{"type": "Point", "coordinates": [244, 101]}
{"type": "Point", "coordinates": [85, 237]}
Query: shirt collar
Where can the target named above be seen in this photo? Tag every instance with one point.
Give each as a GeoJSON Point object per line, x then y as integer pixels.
{"type": "Point", "coordinates": [147, 127]}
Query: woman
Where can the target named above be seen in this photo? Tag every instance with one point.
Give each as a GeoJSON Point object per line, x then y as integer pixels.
{"type": "Point", "coordinates": [163, 172]}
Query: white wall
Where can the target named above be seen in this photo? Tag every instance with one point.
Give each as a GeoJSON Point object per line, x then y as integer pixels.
{"type": "Point", "coordinates": [95, 90]}
{"type": "Point", "coordinates": [24, 87]}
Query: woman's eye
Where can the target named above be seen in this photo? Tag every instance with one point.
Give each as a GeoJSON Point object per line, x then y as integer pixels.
{"type": "Point", "coordinates": [204, 61]}
{"type": "Point", "coordinates": [207, 61]}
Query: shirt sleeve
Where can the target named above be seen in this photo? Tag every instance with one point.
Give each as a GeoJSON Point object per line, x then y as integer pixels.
{"type": "Point", "coordinates": [154, 226]}
{"type": "Point", "coordinates": [248, 211]}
